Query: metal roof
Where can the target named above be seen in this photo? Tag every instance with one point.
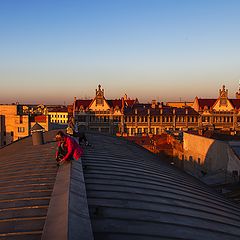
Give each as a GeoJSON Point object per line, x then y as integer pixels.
{"type": "Point", "coordinates": [133, 195]}
{"type": "Point", "coordinates": [128, 193]}
{"type": "Point", "coordinates": [27, 176]}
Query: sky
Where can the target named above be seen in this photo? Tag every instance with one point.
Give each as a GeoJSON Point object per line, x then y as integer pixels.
{"type": "Point", "coordinates": [168, 50]}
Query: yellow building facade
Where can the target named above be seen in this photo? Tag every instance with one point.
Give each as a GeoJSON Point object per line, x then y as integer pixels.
{"type": "Point", "coordinates": [15, 124]}
{"type": "Point", "coordinates": [58, 115]}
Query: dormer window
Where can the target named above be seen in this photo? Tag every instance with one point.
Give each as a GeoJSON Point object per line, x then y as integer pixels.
{"type": "Point", "coordinates": [223, 102]}
{"type": "Point", "coordinates": [99, 100]}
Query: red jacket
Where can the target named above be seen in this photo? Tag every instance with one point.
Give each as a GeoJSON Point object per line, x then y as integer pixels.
{"type": "Point", "coordinates": [73, 148]}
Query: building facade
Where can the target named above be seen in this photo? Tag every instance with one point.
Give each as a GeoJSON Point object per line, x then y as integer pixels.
{"type": "Point", "coordinates": [58, 114]}
{"type": "Point", "coordinates": [219, 114]}
{"type": "Point", "coordinates": [129, 117]}
{"type": "Point", "coordinates": [100, 114]}
{"type": "Point", "coordinates": [15, 124]}
{"type": "Point", "coordinates": [16, 121]}
{"type": "Point", "coordinates": [156, 118]}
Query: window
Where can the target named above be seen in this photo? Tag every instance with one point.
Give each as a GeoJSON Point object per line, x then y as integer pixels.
{"type": "Point", "coordinates": [99, 101]}
{"type": "Point", "coordinates": [139, 130]}
{"type": "Point", "coordinates": [133, 130]}
{"type": "Point", "coordinates": [20, 130]}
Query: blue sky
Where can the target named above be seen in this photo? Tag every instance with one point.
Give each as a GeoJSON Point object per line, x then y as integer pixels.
{"type": "Point", "coordinates": [53, 50]}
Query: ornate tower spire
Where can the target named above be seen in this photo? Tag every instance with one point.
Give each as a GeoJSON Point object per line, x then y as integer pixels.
{"type": "Point", "coordinates": [99, 91]}
{"type": "Point", "coordinates": [99, 95]}
{"type": "Point", "coordinates": [223, 95]}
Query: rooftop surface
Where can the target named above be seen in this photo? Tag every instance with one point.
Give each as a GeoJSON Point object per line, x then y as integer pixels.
{"type": "Point", "coordinates": [27, 177]}
{"type": "Point", "coordinates": [133, 195]}
{"type": "Point", "coordinates": [116, 191]}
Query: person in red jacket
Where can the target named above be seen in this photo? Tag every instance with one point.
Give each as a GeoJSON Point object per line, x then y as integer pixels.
{"type": "Point", "coordinates": [68, 148]}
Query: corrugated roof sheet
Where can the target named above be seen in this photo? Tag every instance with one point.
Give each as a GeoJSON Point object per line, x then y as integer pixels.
{"type": "Point", "coordinates": [27, 176]}
{"type": "Point", "coordinates": [133, 195]}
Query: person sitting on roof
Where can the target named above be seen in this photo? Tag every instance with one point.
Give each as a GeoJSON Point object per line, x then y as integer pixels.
{"type": "Point", "coordinates": [67, 149]}
{"type": "Point", "coordinates": [73, 130]}
{"type": "Point", "coordinates": [82, 137]}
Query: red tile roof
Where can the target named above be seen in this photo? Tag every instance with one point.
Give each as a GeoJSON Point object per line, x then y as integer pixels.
{"type": "Point", "coordinates": [235, 103]}
{"type": "Point", "coordinates": [84, 103]}
{"type": "Point", "coordinates": [210, 102]}
{"type": "Point", "coordinates": [111, 103]}
{"type": "Point", "coordinates": [129, 102]}
{"type": "Point", "coordinates": [142, 110]}
{"type": "Point", "coordinates": [40, 118]}
{"type": "Point", "coordinates": [206, 102]}
{"type": "Point", "coordinates": [58, 109]}
{"type": "Point", "coordinates": [114, 103]}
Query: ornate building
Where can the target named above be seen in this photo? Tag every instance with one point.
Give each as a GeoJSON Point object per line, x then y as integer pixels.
{"type": "Point", "coordinates": [221, 113]}
{"type": "Point", "coordinates": [156, 118]}
{"type": "Point", "coordinates": [100, 114]}
{"type": "Point", "coordinates": [129, 117]}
